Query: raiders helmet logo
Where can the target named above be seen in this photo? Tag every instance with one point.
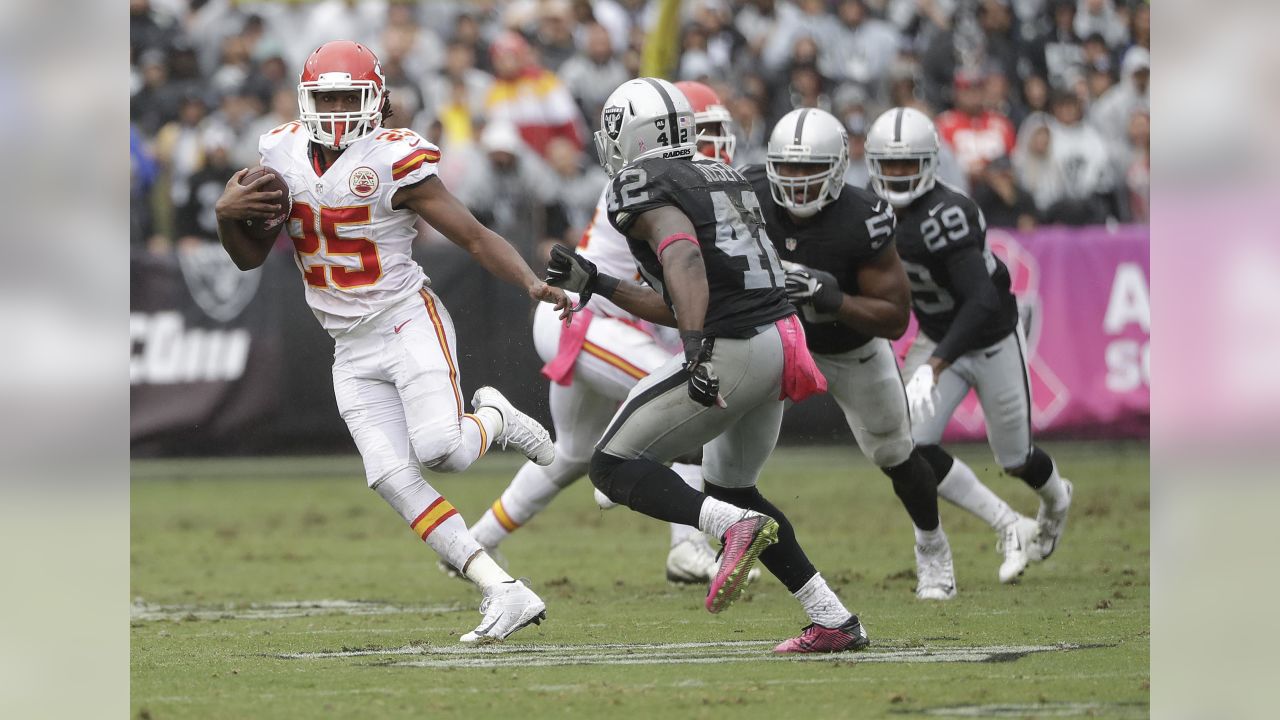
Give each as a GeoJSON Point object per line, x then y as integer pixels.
{"type": "Point", "coordinates": [612, 118]}
{"type": "Point", "coordinates": [660, 123]}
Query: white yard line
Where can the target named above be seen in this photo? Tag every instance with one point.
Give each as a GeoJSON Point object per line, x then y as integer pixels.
{"type": "Point", "coordinates": [147, 612]}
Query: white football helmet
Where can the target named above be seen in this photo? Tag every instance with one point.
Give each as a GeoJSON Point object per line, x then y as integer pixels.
{"type": "Point", "coordinates": [645, 117]}
{"type": "Point", "coordinates": [902, 134]}
{"type": "Point", "coordinates": [812, 137]}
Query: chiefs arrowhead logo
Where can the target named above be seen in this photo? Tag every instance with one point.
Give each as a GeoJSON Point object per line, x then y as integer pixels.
{"type": "Point", "coordinates": [612, 118]}
{"type": "Point", "coordinates": [364, 181]}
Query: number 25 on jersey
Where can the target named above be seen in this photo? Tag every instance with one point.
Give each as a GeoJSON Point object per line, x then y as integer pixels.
{"type": "Point", "coordinates": [316, 233]}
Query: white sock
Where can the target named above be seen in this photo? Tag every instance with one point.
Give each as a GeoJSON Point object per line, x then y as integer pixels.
{"type": "Point", "coordinates": [962, 487]}
{"type": "Point", "coordinates": [692, 476]}
{"type": "Point", "coordinates": [530, 492]}
{"type": "Point", "coordinates": [821, 604]}
{"type": "Point", "coordinates": [484, 572]}
{"type": "Point", "coordinates": [1053, 492]}
{"type": "Point", "coordinates": [930, 538]}
{"type": "Point", "coordinates": [492, 420]}
{"type": "Point", "coordinates": [716, 516]}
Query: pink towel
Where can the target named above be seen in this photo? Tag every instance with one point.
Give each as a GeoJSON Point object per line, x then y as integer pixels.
{"type": "Point", "coordinates": [800, 375]}
{"type": "Point", "coordinates": [572, 336]}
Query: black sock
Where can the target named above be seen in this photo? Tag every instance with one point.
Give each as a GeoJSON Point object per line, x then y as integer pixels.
{"type": "Point", "coordinates": [647, 487]}
{"type": "Point", "coordinates": [1037, 470]}
{"type": "Point", "coordinates": [785, 558]}
{"type": "Point", "coordinates": [940, 460]}
{"type": "Point", "coordinates": [917, 488]}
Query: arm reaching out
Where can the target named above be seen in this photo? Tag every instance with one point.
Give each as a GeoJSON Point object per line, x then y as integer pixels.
{"type": "Point", "coordinates": [435, 204]}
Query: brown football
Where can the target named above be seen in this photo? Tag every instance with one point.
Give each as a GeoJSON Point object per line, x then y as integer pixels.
{"type": "Point", "coordinates": [267, 230]}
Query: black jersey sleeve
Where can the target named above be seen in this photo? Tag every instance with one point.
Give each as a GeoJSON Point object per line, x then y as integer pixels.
{"type": "Point", "coordinates": [978, 303]}
{"type": "Point", "coordinates": [955, 232]}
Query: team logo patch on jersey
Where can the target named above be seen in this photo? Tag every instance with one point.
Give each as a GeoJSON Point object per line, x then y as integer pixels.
{"type": "Point", "coordinates": [612, 118]}
{"type": "Point", "coordinates": [791, 244]}
{"type": "Point", "coordinates": [364, 181]}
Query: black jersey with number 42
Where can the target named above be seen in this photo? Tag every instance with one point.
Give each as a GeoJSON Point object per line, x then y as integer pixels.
{"type": "Point", "coordinates": [843, 236]}
{"type": "Point", "coordinates": [744, 276]}
{"type": "Point", "coordinates": [942, 239]}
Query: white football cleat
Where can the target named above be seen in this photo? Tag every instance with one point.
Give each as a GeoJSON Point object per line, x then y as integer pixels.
{"type": "Point", "coordinates": [935, 575]}
{"type": "Point", "coordinates": [507, 607]}
{"type": "Point", "coordinates": [603, 501]}
{"type": "Point", "coordinates": [518, 429]}
{"type": "Point", "coordinates": [692, 561]}
{"type": "Point", "coordinates": [1019, 542]}
{"type": "Point", "coordinates": [1053, 523]}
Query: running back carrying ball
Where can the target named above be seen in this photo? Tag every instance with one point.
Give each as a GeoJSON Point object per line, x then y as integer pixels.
{"type": "Point", "coordinates": [267, 230]}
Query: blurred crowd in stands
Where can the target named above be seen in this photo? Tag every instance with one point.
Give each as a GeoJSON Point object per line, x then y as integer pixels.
{"type": "Point", "coordinates": [1041, 105]}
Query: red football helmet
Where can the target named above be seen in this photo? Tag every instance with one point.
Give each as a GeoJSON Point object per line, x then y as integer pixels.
{"type": "Point", "coordinates": [338, 66]}
{"type": "Point", "coordinates": [712, 120]}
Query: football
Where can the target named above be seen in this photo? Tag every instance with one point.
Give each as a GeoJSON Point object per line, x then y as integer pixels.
{"type": "Point", "coordinates": [267, 230]}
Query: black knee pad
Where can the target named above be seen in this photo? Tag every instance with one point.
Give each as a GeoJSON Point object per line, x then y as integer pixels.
{"type": "Point", "coordinates": [601, 472]}
{"type": "Point", "coordinates": [940, 460]}
{"type": "Point", "coordinates": [1036, 471]}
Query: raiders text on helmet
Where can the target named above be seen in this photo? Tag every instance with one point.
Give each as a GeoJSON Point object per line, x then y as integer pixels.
{"type": "Point", "coordinates": [902, 134]}
{"type": "Point", "coordinates": [811, 137]}
{"type": "Point", "coordinates": [646, 117]}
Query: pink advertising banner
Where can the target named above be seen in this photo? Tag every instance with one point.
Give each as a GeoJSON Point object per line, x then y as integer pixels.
{"type": "Point", "coordinates": [1084, 295]}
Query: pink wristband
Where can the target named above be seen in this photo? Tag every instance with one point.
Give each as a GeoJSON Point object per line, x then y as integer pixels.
{"type": "Point", "coordinates": [677, 237]}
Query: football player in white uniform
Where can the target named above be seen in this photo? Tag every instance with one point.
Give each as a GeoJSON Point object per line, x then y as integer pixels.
{"type": "Point", "coordinates": [356, 192]}
{"type": "Point", "coordinates": [594, 362]}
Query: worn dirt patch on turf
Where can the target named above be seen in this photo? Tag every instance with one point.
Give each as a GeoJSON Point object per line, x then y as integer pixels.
{"type": "Point", "coordinates": [539, 655]}
{"type": "Point", "coordinates": [1022, 710]}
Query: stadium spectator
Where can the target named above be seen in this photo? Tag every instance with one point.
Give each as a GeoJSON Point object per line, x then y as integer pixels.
{"type": "Point", "coordinates": [1080, 160]}
{"type": "Point", "coordinates": [1140, 24]}
{"type": "Point", "coordinates": [578, 180]}
{"type": "Point", "coordinates": [809, 21]}
{"type": "Point", "coordinates": [283, 109]}
{"type": "Point", "coordinates": [456, 97]}
{"type": "Point", "coordinates": [194, 220]}
{"type": "Point", "coordinates": [529, 96]}
{"type": "Point", "coordinates": [553, 34]}
{"type": "Point", "coordinates": [507, 187]}
{"type": "Point", "coordinates": [1101, 17]}
{"type": "Point", "coordinates": [1137, 176]}
{"type": "Point", "coordinates": [142, 175]}
{"type": "Point", "coordinates": [723, 42]}
{"type": "Point", "coordinates": [1035, 99]}
{"type": "Point", "coordinates": [180, 152]}
{"type": "Point", "coordinates": [593, 73]}
{"type": "Point", "coordinates": [851, 109]}
{"type": "Point", "coordinates": [1057, 54]}
{"type": "Point", "coordinates": [1111, 113]}
{"type": "Point", "coordinates": [148, 29]}
{"type": "Point", "coordinates": [1003, 201]}
{"type": "Point", "coordinates": [976, 134]}
{"type": "Point", "coordinates": [860, 48]}
{"type": "Point", "coordinates": [1032, 162]}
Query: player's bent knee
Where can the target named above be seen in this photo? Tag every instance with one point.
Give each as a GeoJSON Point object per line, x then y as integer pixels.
{"type": "Point", "coordinates": [891, 452]}
{"type": "Point", "coordinates": [940, 460]}
{"type": "Point", "coordinates": [393, 478]}
{"type": "Point", "coordinates": [440, 453]}
{"type": "Point", "coordinates": [601, 472]}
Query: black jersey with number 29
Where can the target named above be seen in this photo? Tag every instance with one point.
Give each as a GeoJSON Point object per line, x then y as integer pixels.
{"type": "Point", "coordinates": [935, 235]}
{"type": "Point", "coordinates": [744, 276]}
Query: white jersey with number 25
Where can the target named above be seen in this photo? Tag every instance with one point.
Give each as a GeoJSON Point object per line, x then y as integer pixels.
{"type": "Point", "coordinates": [353, 249]}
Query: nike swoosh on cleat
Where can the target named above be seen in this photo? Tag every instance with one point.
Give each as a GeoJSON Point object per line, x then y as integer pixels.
{"type": "Point", "coordinates": [485, 630]}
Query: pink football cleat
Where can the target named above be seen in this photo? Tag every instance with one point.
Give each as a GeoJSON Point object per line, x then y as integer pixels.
{"type": "Point", "coordinates": [743, 543]}
{"type": "Point", "coordinates": [849, 637]}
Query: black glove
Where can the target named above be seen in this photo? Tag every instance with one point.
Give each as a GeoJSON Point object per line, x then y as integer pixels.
{"type": "Point", "coordinates": [704, 386]}
{"type": "Point", "coordinates": [570, 271]}
{"type": "Point", "coordinates": [816, 287]}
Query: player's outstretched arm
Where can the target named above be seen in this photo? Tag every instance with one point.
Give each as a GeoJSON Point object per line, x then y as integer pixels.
{"type": "Point", "coordinates": [435, 204]}
{"type": "Point", "coordinates": [672, 236]}
{"type": "Point", "coordinates": [245, 202]}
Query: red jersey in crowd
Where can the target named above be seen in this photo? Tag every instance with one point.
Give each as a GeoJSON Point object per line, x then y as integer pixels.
{"type": "Point", "coordinates": [976, 139]}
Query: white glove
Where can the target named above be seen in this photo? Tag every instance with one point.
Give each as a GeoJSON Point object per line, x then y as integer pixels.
{"type": "Point", "coordinates": [922, 393]}
{"type": "Point", "coordinates": [604, 502]}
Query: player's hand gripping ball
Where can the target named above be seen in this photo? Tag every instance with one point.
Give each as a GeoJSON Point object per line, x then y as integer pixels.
{"type": "Point", "coordinates": [266, 229]}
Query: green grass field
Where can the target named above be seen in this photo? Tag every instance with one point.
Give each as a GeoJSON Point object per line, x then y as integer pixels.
{"type": "Point", "coordinates": [284, 588]}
